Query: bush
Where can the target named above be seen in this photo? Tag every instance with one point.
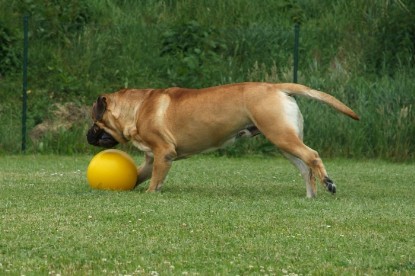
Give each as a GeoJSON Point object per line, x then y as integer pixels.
{"type": "Point", "coordinates": [10, 57]}
{"type": "Point", "coordinates": [192, 52]}
{"type": "Point", "coordinates": [56, 19]}
{"type": "Point", "coordinates": [360, 51]}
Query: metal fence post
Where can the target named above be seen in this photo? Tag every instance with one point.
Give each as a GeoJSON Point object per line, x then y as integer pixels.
{"type": "Point", "coordinates": [24, 106]}
{"type": "Point", "coordinates": [296, 44]}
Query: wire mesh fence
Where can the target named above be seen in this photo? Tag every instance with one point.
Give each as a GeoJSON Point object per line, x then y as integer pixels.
{"type": "Point", "coordinates": [73, 63]}
{"type": "Point", "coordinates": [190, 55]}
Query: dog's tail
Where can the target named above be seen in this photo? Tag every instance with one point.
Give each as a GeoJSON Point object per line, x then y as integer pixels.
{"type": "Point", "coordinates": [302, 90]}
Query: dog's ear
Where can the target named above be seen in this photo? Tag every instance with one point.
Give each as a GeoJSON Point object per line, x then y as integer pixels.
{"type": "Point", "coordinates": [99, 108]}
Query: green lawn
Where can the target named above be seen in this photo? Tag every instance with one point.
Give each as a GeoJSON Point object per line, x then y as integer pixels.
{"type": "Point", "coordinates": [214, 216]}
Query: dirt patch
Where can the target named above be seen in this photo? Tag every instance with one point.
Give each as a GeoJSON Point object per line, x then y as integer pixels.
{"type": "Point", "coordinates": [63, 117]}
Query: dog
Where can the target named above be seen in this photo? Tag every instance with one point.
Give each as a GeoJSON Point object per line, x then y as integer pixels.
{"type": "Point", "coordinates": [175, 123]}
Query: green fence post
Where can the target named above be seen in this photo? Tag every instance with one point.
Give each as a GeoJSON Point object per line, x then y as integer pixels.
{"type": "Point", "coordinates": [296, 43]}
{"type": "Point", "coordinates": [24, 106]}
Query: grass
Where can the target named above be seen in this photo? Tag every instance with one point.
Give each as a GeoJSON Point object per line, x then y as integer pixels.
{"type": "Point", "coordinates": [348, 48]}
{"type": "Point", "coordinates": [214, 216]}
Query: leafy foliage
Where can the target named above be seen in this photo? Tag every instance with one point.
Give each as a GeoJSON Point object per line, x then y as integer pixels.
{"type": "Point", "coordinates": [360, 51]}
{"type": "Point", "coordinates": [56, 19]}
{"type": "Point", "coordinates": [9, 55]}
{"type": "Point", "coordinates": [394, 36]}
{"type": "Point", "coordinates": [193, 52]}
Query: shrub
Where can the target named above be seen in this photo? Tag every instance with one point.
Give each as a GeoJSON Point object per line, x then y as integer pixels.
{"type": "Point", "coordinates": [10, 56]}
{"type": "Point", "coordinates": [56, 19]}
{"type": "Point", "coordinates": [193, 51]}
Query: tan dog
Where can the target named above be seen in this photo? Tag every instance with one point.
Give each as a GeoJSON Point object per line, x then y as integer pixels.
{"type": "Point", "coordinates": [169, 124]}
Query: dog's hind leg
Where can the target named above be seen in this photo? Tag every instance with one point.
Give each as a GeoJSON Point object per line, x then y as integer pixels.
{"type": "Point", "coordinates": [306, 173]}
{"type": "Point", "coordinates": [290, 143]}
{"type": "Point", "coordinates": [280, 120]}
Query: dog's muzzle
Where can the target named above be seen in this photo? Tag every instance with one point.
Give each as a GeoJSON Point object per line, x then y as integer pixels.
{"type": "Point", "coordinates": [98, 137]}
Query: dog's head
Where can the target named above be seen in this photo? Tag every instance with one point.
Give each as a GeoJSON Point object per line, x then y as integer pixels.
{"type": "Point", "coordinates": [103, 132]}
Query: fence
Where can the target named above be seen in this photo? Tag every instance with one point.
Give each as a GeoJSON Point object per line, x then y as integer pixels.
{"type": "Point", "coordinates": [78, 63]}
{"type": "Point", "coordinates": [25, 69]}
{"type": "Point", "coordinates": [24, 97]}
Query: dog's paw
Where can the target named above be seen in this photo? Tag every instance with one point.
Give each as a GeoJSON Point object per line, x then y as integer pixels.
{"type": "Point", "coordinates": [331, 187]}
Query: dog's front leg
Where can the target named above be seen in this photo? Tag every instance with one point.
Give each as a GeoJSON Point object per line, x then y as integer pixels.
{"type": "Point", "coordinates": [163, 160]}
{"type": "Point", "coordinates": [145, 170]}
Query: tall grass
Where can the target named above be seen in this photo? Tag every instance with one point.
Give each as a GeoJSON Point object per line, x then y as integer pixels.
{"type": "Point", "coordinates": [101, 46]}
{"type": "Point", "coordinates": [386, 126]}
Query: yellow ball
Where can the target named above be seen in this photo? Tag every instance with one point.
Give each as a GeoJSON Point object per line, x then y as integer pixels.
{"type": "Point", "coordinates": [112, 170]}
